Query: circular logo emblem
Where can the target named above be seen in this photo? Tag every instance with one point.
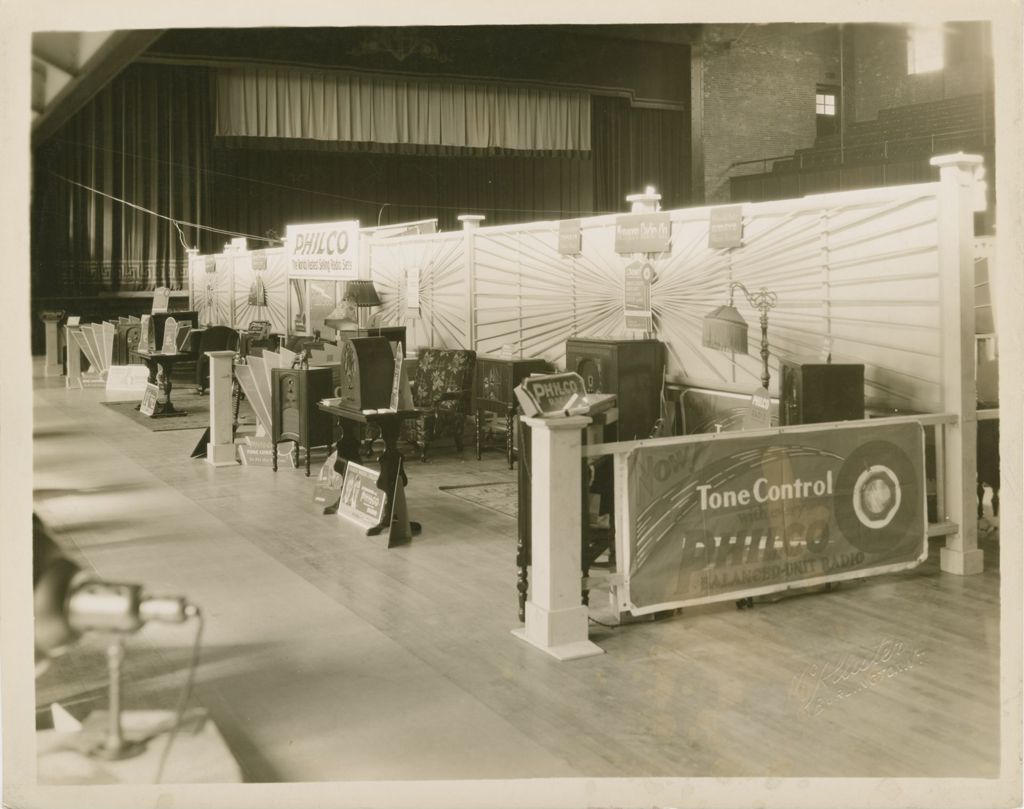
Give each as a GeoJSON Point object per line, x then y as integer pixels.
{"type": "Point", "coordinates": [877, 496]}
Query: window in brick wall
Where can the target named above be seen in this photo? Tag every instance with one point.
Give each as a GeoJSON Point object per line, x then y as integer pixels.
{"type": "Point", "coordinates": [925, 49]}
{"type": "Point", "coordinates": [826, 107]}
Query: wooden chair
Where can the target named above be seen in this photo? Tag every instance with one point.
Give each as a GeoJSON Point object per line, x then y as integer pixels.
{"type": "Point", "coordinates": [441, 388]}
{"type": "Point", "coordinates": [213, 338]}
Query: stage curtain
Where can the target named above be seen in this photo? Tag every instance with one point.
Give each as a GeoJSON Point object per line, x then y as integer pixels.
{"type": "Point", "coordinates": [634, 147]}
{"type": "Point", "coordinates": [146, 139]}
{"type": "Point", "coordinates": [255, 191]}
{"type": "Point", "coordinates": [306, 105]}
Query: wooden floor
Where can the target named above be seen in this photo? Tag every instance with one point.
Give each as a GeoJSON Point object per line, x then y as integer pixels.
{"type": "Point", "coordinates": [328, 657]}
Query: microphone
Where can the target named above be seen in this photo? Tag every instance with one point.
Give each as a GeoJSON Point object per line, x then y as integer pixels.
{"type": "Point", "coordinates": [97, 605]}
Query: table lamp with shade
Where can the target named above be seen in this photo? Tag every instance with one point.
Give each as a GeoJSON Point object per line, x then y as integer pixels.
{"type": "Point", "coordinates": [356, 295]}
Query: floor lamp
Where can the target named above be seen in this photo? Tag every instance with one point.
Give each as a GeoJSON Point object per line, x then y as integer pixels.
{"type": "Point", "coordinates": [726, 330]}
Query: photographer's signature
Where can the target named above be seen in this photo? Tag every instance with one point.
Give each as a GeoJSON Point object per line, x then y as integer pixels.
{"type": "Point", "coordinates": [825, 682]}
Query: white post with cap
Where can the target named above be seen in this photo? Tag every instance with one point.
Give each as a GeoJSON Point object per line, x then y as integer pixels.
{"type": "Point", "coordinates": [957, 180]}
{"type": "Point", "coordinates": [220, 451]}
{"type": "Point", "coordinates": [470, 224]}
{"type": "Point", "coordinates": [556, 620]}
{"type": "Point", "coordinates": [51, 324]}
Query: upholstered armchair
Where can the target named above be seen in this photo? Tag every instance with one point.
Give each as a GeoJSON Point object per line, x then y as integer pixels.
{"type": "Point", "coordinates": [441, 388]}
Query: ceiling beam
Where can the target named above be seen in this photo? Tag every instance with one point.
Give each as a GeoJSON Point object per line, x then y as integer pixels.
{"type": "Point", "coordinates": [102, 59]}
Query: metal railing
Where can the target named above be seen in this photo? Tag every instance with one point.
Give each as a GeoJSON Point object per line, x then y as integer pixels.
{"type": "Point", "coordinates": [888, 146]}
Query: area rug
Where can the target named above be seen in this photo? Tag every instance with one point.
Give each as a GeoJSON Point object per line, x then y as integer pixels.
{"type": "Point", "coordinates": [197, 408]}
{"type": "Point", "coordinates": [501, 497]}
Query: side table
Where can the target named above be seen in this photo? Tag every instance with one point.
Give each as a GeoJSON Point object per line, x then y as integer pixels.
{"type": "Point", "coordinates": [160, 367]}
{"type": "Point", "coordinates": [392, 479]}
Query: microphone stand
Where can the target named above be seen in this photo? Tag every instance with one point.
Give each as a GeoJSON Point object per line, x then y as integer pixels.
{"type": "Point", "coordinates": [114, 746]}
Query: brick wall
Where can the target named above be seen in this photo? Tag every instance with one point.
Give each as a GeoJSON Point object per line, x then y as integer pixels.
{"type": "Point", "coordinates": [759, 83]}
{"type": "Point", "coordinates": [880, 79]}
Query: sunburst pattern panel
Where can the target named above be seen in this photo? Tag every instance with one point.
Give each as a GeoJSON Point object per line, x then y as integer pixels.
{"type": "Point", "coordinates": [443, 320]}
{"type": "Point", "coordinates": [261, 294]}
{"type": "Point", "coordinates": [530, 298]}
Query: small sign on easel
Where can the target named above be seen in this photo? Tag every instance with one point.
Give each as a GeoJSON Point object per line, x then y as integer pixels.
{"type": "Point", "coordinates": [361, 501]}
{"type": "Point", "coordinates": [148, 404]}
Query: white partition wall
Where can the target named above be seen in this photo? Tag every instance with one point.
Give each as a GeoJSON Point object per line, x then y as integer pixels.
{"type": "Point", "coordinates": [857, 275]}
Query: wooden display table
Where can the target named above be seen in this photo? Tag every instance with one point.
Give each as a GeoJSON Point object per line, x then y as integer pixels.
{"type": "Point", "coordinates": [392, 480]}
{"type": "Point", "coordinates": [160, 368]}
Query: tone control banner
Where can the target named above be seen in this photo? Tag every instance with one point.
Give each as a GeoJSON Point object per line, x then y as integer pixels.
{"type": "Point", "coordinates": [735, 516]}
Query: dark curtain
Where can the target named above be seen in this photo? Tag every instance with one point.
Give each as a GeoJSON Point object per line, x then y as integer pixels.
{"type": "Point", "coordinates": [145, 138]}
{"type": "Point", "coordinates": [148, 138]}
{"type": "Point", "coordinates": [258, 190]}
{"type": "Point", "coordinates": [634, 147]}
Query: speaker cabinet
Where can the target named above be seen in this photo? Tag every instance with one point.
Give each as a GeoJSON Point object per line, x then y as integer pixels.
{"type": "Point", "coordinates": [295, 416]}
{"type": "Point", "coordinates": [816, 392]}
{"type": "Point", "coordinates": [367, 373]}
{"type": "Point", "coordinates": [126, 340]}
{"type": "Point", "coordinates": [631, 369]}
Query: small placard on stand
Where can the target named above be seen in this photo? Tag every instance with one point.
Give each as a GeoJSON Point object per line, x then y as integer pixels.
{"type": "Point", "coordinates": [259, 451]}
{"type": "Point", "coordinates": [148, 404]}
{"type": "Point", "coordinates": [361, 501]}
{"type": "Point", "coordinates": [725, 227]}
{"type": "Point", "coordinates": [758, 415]}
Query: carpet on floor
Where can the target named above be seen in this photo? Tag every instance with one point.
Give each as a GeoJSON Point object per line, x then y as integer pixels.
{"type": "Point", "coordinates": [197, 409]}
{"type": "Point", "coordinates": [500, 496]}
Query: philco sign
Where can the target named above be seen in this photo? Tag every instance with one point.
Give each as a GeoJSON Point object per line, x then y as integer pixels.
{"type": "Point", "coordinates": [327, 250]}
{"type": "Point", "coordinates": [552, 395]}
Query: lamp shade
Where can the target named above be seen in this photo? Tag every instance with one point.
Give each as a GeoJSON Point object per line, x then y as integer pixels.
{"type": "Point", "coordinates": [362, 292]}
{"type": "Point", "coordinates": [725, 330]}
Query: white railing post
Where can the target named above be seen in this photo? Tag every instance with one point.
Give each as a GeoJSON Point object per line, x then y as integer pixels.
{"type": "Point", "coordinates": [51, 323]}
{"type": "Point", "coordinates": [221, 449]}
{"type": "Point", "coordinates": [556, 620]}
{"type": "Point", "coordinates": [956, 268]}
{"type": "Point", "coordinates": [470, 222]}
{"type": "Point", "coordinates": [74, 377]}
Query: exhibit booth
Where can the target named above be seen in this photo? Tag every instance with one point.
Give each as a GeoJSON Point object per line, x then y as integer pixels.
{"type": "Point", "coordinates": [769, 396]}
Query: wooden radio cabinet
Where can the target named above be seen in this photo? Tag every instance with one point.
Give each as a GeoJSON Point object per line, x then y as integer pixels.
{"type": "Point", "coordinates": [295, 393]}
{"type": "Point", "coordinates": [367, 373]}
{"type": "Point", "coordinates": [630, 369]}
